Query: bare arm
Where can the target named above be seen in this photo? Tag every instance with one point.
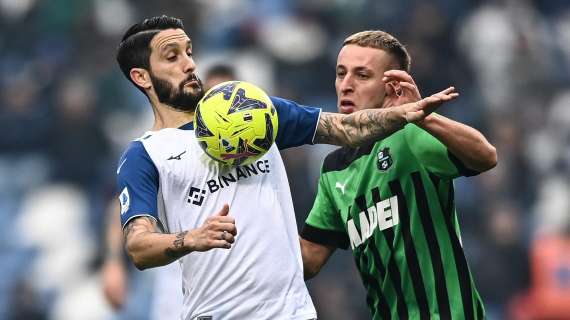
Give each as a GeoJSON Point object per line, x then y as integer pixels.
{"type": "Point", "coordinates": [465, 142]}
{"type": "Point", "coordinates": [149, 248]}
{"type": "Point", "coordinates": [314, 257]}
{"type": "Point", "coordinates": [370, 125]}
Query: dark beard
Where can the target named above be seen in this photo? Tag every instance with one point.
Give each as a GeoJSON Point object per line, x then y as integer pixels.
{"type": "Point", "coordinates": [177, 99]}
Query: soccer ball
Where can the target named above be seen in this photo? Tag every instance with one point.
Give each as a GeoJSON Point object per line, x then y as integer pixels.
{"type": "Point", "coordinates": [236, 123]}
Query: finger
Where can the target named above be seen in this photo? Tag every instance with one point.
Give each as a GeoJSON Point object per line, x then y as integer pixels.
{"type": "Point", "coordinates": [411, 88]}
{"type": "Point", "coordinates": [222, 219]}
{"type": "Point", "coordinates": [228, 237]}
{"type": "Point", "coordinates": [399, 75]}
{"type": "Point", "coordinates": [446, 97]}
{"type": "Point", "coordinates": [408, 85]}
{"type": "Point", "coordinates": [222, 244]}
{"type": "Point", "coordinates": [447, 91]}
{"type": "Point", "coordinates": [220, 226]}
{"type": "Point", "coordinates": [231, 229]}
{"type": "Point", "coordinates": [225, 210]}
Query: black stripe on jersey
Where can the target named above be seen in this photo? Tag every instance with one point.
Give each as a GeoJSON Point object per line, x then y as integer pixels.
{"type": "Point", "coordinates": [435, 179]}
{"type": "Point", "coordinates": [341, 158]}
{"type": "Point", "coordinates": [433, 246]}
{"type": "Point", "coordinates": [393, 270]}
{"type": "Point", "coordinates": [410, 249]}
{"type": "Point", "coordinates": [480, 311]}
{"type": "Point", "coordinates": [380, 305]}
{"type": "Point", "coordinates": [460, 261]}
{"type": "Point", "coordinates": [463, 170]}
{"type": "Point", "coordinates": [325, 237]}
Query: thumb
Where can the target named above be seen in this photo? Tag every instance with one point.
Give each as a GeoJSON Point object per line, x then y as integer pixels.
{"type": "Point", "coordinates": [225, 210]}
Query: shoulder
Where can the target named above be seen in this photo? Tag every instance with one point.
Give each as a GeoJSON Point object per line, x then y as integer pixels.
{"type": "Point", "coordinates": [342, 158]}
{"type": "Point", "coordinates": [135, 158]}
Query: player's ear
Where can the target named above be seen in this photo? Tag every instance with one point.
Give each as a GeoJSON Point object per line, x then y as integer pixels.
{"type": "Point", "coordinates": [393, 89]}
{"type": "Point", "coordinates": [141, 77]}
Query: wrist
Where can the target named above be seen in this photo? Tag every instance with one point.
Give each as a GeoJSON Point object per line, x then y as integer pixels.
{"type": "Point", "coordinates": [425, 122]}
{"type": "Point", "coordinates": [189, 243]}
{"type": "Point", "coordinates": [399, 115]}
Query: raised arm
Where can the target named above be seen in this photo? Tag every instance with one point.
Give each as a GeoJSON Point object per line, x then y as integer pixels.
{"type": "Point", "coordinates": [149, 248]}
{"type": "Point", "coordinates": [369, 125]}
{"type": "Point", "coordinates": [466, 143]}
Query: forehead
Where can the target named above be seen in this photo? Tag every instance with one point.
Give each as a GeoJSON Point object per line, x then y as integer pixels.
{"type": "Point", "coordinates": [353, 56]}
{"type": "Point", "coordinates": [169, 37]}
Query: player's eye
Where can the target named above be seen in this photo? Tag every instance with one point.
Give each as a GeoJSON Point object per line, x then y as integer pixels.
{"type": "Point", "coordinates": [363, 76]}
{"type": "Point", "coordinates": [340, 74]}
{"type": "Point", "coordinates": [171, 58]}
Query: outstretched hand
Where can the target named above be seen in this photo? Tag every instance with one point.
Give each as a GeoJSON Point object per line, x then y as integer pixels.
{"type": "Point", "coordinates": [218, 231]}
{"type": "Point", "coordinates": [418, 111]}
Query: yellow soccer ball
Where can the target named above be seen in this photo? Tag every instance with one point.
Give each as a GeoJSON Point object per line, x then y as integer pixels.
{"type": "Point", "coordinates": [236, 123]}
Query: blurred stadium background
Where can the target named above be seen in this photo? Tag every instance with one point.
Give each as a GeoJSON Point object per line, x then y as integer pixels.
{"type": "Point", "coordinates": [66, 113]}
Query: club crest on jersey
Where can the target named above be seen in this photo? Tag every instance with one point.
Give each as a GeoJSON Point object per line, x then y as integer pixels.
{"type": "Point", "coordinates": [384, 159]}
{"type": "Point", "coordinates": [124, 200]}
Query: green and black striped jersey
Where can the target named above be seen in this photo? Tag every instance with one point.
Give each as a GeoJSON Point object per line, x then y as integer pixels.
{"type": "Point", "coordinates": [392, 202]}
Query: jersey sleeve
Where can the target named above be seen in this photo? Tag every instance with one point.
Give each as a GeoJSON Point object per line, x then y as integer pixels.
{"type": "Point", "coordinates": [297, 123]}
{"type": "Point", "coordinates": [434, 155]}
{"type": "Point", "coordinates": [324, 224]}
{"type": "Point", "coordinates": [137, 182]}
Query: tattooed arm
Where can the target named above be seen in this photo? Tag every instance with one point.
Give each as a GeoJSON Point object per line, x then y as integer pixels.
{"type": "Point", "coordinates": [149, 248]}
{"type": "Point", "coordinates": [370, 125]}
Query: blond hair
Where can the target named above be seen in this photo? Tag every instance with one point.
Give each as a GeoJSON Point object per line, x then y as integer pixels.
{"type": "Point", "coordinates": [384, 41]}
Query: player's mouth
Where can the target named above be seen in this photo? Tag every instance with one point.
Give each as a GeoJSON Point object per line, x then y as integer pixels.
{"type": "Point", "coordinates": [347, 106]}
{"type": "Point", "coordinates": [190, 83]}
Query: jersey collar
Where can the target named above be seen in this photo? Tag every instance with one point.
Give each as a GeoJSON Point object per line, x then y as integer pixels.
{"type": "Point", "coordinates": [188, 126]}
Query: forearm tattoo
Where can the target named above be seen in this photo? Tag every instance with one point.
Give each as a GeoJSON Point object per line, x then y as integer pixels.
{"type": "Point", "coordinates": [139, 224]}
{"type": "Point", "coordinates": [358, 128]}
{"type": "Point", "coordinates": [176, 251]}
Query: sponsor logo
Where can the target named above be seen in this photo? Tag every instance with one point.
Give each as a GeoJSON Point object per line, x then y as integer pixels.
{"type": "Point", "coordinates": [196, 195]}
{"type": "Point", "coordinates": [381, 216]}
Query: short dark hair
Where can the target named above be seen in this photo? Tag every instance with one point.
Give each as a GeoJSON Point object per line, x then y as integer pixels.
{"type": "Point", "coordinates": [384, 41]}
{"type": "Point", "coordinates": [134, 49]}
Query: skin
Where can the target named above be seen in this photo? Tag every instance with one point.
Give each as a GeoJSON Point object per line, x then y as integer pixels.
{"type": "Point", "coordinates": [171, 60]}
{"type": "Point", "coordinates": [364, 80]}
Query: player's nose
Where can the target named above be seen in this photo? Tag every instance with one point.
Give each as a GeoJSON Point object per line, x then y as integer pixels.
{"type": "Point", "coordinates": [346, 85]}
{"type": "Point", "coordinates": [189, 64]}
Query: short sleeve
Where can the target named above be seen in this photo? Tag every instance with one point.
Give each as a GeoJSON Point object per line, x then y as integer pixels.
{"type": "Point", "coordinates": [137, 182]}
{"type": "Point", "coordinates": [434, 155]}
{"type": "Point", "coordinates": [324, 224]}
{"type": "Point", "coordinates": [297, 123]}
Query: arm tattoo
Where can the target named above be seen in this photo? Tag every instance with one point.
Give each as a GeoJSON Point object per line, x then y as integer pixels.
{"type": "Point", "coordinates": [139, 224]}
{"type": "Point", "coordinates": [358, 128]}
{"type": "Point", "coordinates": [176, 251]}
{"type": "Point", "coordinates": [128, 229]}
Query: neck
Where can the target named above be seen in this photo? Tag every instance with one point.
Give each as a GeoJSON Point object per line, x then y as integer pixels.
{"type": "Point", "coordinates": [166, 116]}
